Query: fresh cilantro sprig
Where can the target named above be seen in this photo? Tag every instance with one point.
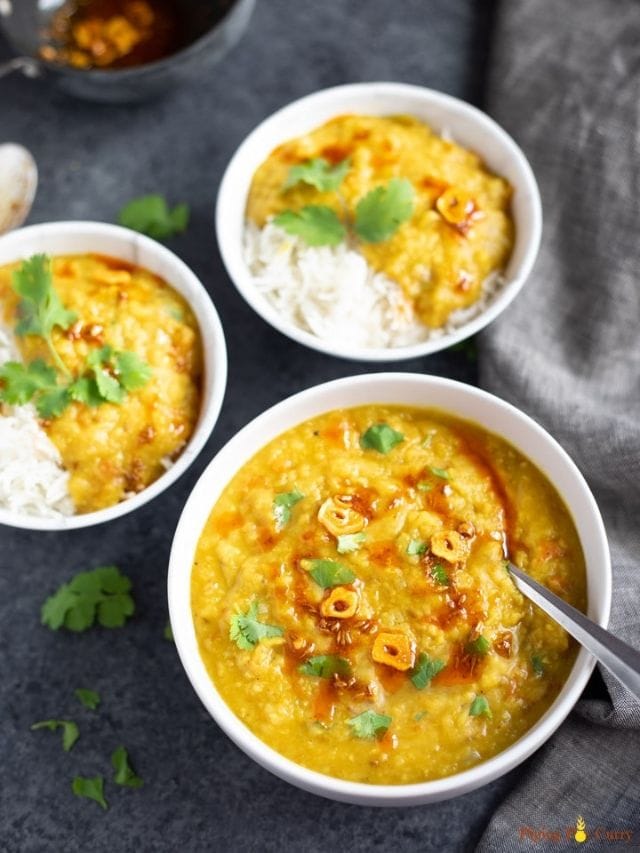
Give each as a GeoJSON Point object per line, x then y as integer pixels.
{"type": "Point", "coordinates": [425, 669]}
{"type": "Point", "coordinates": [91, 788]}
{"type": "Point", "coordinates": [102, 594]}
{"type": "Point", "coordinates": [317, 224]}
{"type": "Point", "coordinates": [37, 382]}
{"type": "Point", "coordinates": [151, 215]}
{"type": "Point", "coordinates": [70, 731]}
{"type": "Point", "coordinates": [369, 724]}
{"type": "Point", "coordinates": [40, 309]}
{"type": "Point", "coordinates": [318, 173]}
{"type": "Point", "coordinates": [124, 773]}
{"type": "Point", "coordinates": [246, 630]}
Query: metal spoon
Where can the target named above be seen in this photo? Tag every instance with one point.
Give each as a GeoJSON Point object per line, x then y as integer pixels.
{"type": "Point", "coordinates": [18, 182]}
{"type": "Point", "coordinates": [620, 659]}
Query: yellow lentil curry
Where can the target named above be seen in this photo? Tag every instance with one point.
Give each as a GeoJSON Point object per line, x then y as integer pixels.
{"type": "Point", "coordinates": [111, 451]}
{"type": "Point", "coordinates": [460, 232]}
{"type": "Point", "coordinates": [351, 599]}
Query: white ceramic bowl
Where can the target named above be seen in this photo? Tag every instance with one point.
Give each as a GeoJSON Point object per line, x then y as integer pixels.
{"type": "Point", "coordinates": [404, 389]}
{"type": "Point", "coordinates": [466, 124]}
{"type": "Point", "coordinates": [58, 238]}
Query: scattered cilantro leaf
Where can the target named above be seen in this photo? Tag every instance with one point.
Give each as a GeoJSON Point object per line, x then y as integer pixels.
{"type": "Point", "coordinates": [537, 664]}
{"type": "Point", "coordinates": [425, 669]}
{"type": "Point", "coordinates": [246, 630]}
{"type": "Point", "coordinates": [328, 573]}
{"type": "Point", "coordinates": [168, 633]}
{"type": "Point", "coordinates": [439, 574]}
{"type": "Point", "coordinates": [439, 472]}
{"type": "Point", "coordinates": [480, 646]}
{"type": "Point", "coordinates": [70, 731]}
{"type": "Point", "coordinates": [369, 724]}
{"type": "Point", "coordinates": [318, 173]}
{"type": "Point", "coordinates": [316, 224]}
{"type": "Point", "coordinates": [89, 698]}
{"type": "Point", "coordinates": [132, 372]}
{"type": "Point", "coordinates": [37, 382]}
{"type": "Point", "coordinates": [324, 666]}
{"type": "Point", "coordinates": [381, 437]}
{"type": "Point", "coordinates": [381, 212]}
{"type": "Point", "coordinates": [40, 309]}
{"type": "Point", "coordinates": [114, 374]}
{"type": "Point", "coordinates": [350, 542]}
{"type": "Point", "coordinates": [415, 548]}
{"type": "Point", "coordinates": [282, 505]}
{"type": "Point", "coordinates": [150, 214]}
{"type": "Point", "coordinates": [480, 707]}
{"type": "Point", "coordinates": [124, 774]}
{"type": "Point", "coordinates": [92, 789]}
{"type": "Point", "coordinates": [102, 593]}
{"type": "Point", "coordinates": [108, 386]}
{"type": "Point", "coordinates": [85, 390]}
{"type": "Point", "coordinates": [52, 403]}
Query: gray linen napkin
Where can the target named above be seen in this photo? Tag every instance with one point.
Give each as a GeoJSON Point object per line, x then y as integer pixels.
{"type": "Point", "coordinates": [566, 83]}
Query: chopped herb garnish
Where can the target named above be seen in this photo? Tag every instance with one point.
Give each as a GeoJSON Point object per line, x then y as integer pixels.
{"type": "Point", "coordinates": [439, 472]}
{"type": "Point", "coordinates": [381, 437]}
{"type": "Point", "coordinates": [150, 214]}
{"type": "Point", "coordinates": [316, 224]}
{"type": "Point", "coordinates": [424, 487]}
{"type": "Point", "coordinates": [318, 173]}
{"type": "Point", "coordinates": [282, 505]}
{"type": "Point", "coordinates": [246, 630]}
{"type": "Point", "coordinates": [92, 789]}
{"type": "Point", "coordinates": [350, 542]}
{"type": "Point", "coordinates": [369, 724]}
{"type": "Point", "coordinates": [70, 731]}
{"type": "Point", "coordinates": [168, 633]}
{"type": "Point", "coordinates": [415, 548]}
{"type": "Point", "coordinates": [479, 646]}
{"type": "Point", "coordinates": [89, 698]}
{"type": "Point", "coordinates": [480, 708]}
{"type": "Point", "coordinates": [439, 574]}
{"type": "Point", "coordinates": [381, 212]}
{"type": "Point", "coordinates": [324, 666]}
{"type": "Point", "coordinates": [40, 309]}
{"type": "Point", "coordinates": [102, 593]}
{"type": "Point", "coordinates": [425, 669]}
{"type": "Point", "coordinates": [124, 774]}
{"type": "Point", "coordinates": [537, 665]}
{"type": "Point", "coordinates": [328, 573]}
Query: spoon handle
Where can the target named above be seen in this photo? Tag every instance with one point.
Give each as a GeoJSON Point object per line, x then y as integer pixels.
{"type": "Point", "coordinates": [620, 659]}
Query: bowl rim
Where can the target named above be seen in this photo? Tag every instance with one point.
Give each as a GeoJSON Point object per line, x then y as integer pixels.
{"type": "Point", "coordinates": [178, 590]}
{"type": "Point", "coordinates": [232, 253]}
{"type": "Point", "coordinates": [214, 358]}
{"type": "Point", "coordinates": [121, 74]}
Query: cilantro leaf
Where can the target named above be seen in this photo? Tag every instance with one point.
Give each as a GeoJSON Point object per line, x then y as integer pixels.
{"type": "Point", "coordinates": [425, 669]}
{"type": "Point", "coordinates": [324, 666]}
{"type": "Point", "coordinates": [108, 386]}
{"type": "Point", "coordinates": [124, 774]}
{"type": "Point", "coordinates": [70, 731]}
{"type": "Point", "coordinates": [102, 593]}
{"type": "Point", "coordinates": [480, 707]}
{"type": "Point", "coordinates": [316, 224]}
{"type": "Point", "coordinates": [318, 173]}
{"type": "Point", "coordinates": [328, 573]}
{"type": "Point", "coordinates": [21, 382]}
{"type": "Point", "coordinates": [246, 631]}
{"type": "Point", "coordinates": [282, 505]}
{"type": "Point", "coordinates": [480, 646]}
{"type": "Point", "coordinates": [439, 574]}
{"type": "Point", "coordinates": [350, 542]}
{"type": "Point", "coordinates": [91, 788]}
{"type": "Point", "coordinates": [369, 724]}
{"type": "Point", "coordinates": [150, 214]}
{"type": "Point", "coordinates": [131, 370]}
{"type": "Point", "coordinates": [537, 664]}
{"type": "Point", "coordinates": [115, 373]}
{"type": "Point", "coordinates": [85, 390]}
{"type": "Point", "coordinates": [439, 472]}
{"type": "Point", "coordinates": [89, 698]}
{"type": "Point", "coordinates": [381, 437]}
{"type": "Point", "coordinates": [380, 213]}
{"type": "Point", "coordinates": [415, 548]}
{"type": "Point", "coordinates": [53, 402]}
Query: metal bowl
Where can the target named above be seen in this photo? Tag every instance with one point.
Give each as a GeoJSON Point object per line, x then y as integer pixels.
{"type": "Point", "coordinates": [211, 36]}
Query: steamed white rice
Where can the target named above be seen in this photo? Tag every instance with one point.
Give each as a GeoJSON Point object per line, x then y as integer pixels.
{"type": "Point", "coordinates": [32, 479]}
{"type": "Point", "coordinates": [332, 292]}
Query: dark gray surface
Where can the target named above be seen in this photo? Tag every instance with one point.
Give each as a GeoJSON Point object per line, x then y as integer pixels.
{"type": "Point", "coordinates": [200, 793]}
